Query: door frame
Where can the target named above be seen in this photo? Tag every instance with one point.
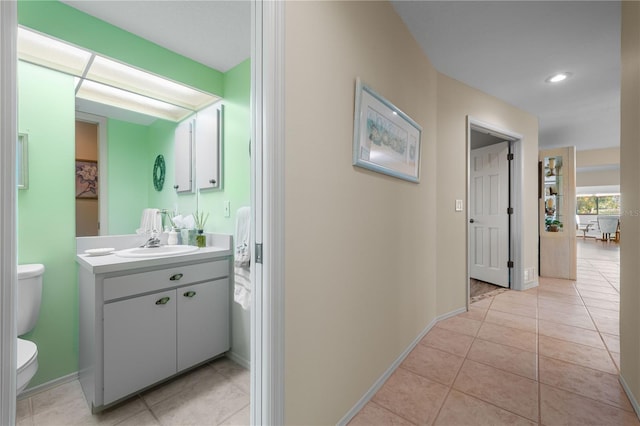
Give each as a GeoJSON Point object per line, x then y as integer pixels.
{"type": "Point", "coordinates": [8, 203]}
{"type": "Point", "coordinates": [267, 202]}
{"type": "Point", "coordinates": [516, 193]}
{"type": "Point", "coordinates": [103, 170]}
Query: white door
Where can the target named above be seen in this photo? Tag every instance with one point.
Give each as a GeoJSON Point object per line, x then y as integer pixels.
{"type": "Point", "coordinates": [489, 221]}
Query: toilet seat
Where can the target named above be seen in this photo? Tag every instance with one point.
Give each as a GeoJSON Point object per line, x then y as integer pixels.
{"type": "Point", "coordinates": [27, 363]}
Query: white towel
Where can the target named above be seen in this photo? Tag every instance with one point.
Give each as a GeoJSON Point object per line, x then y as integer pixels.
{"type": "Point", "coordinates": [243, 237]}
{"type": "Point", "coordinates": [151, 220]}
{"type": "Point", "coordinates": [242, 281]}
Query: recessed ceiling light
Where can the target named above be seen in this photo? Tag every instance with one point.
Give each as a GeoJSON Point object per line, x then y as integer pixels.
{"type": "Point", "coordinates": [558, 77]}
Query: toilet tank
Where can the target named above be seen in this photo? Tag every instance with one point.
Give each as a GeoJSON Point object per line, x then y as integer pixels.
{"type": "Point", "coordinates": [29, 296]}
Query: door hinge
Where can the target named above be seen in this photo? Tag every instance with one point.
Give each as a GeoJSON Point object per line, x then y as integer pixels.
{"type": "Point", "coordinates": [510, 264]}
{"type": "Point", "coordinates": [509, 210]}
{"type": "Point", "coordinates": [510, 156]}
{"type": "Point", "coordinates": [258, 252]}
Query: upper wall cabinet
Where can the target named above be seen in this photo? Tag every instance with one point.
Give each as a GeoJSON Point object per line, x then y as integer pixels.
{"type": "Point", "coordinates": [198, 151]}
{"type": "Point", "coordinates": [209, 131]}
{"type": "Point", "coordinates": [183, 155]}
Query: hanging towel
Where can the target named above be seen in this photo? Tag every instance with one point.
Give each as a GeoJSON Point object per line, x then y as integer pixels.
{"type": "Point", "coordinates": [242, 263]}
{"type": "Point", "coordinates": [243, 237]}
{"type": "Point", "coordinates": [151, 220]}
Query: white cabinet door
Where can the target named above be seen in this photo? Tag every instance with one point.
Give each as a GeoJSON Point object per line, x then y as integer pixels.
{"type": "Point", "coordinates": [203, 322]}
{"type": "Point", "coordinates": [209, 146]}
{"type": "Point", "coordinates": [183, 145]}
{"type": "Point", "coordinates": [139, 343]}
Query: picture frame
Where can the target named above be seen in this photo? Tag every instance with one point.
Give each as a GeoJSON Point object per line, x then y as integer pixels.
{"type": "Point", "coordinates": [385, 139]}
{"type": "Point", "coordinates": [86, 179]}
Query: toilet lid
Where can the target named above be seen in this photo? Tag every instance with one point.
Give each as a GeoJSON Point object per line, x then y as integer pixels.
{"type": "Point", "coordinates": [27, 352]}
{"type": "Point", "coordinates": [30, 270]}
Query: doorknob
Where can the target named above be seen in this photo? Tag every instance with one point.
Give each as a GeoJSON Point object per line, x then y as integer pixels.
{"type": "Point", "coordinates": [471, 220]}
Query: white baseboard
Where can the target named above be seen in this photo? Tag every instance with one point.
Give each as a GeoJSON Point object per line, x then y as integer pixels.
{"type": "Point", "coordinates": [632, 398]}
{"type": "Point", "coordinates": [378, 383]}
{"type": "Point", "coordinates": [48, 385]}
{"type": "Point", "coordinates": [239, 360]}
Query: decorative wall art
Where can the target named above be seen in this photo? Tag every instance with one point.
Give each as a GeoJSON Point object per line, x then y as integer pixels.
{"type": "Point", "coordinates": [86, 179]}
{"type": "Point", "coordinates": [385, 139]}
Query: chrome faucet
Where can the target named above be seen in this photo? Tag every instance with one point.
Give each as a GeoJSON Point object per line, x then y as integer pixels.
{"type": "Point", "coordinates": [153, 242]}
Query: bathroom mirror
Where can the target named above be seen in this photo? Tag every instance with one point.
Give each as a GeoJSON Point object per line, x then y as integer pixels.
{"type": "Point", "coordinates": [22, 157]}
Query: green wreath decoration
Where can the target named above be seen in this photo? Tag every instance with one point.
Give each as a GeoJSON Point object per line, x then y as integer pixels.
{"type": "Point", "coordinates": [158, 173]}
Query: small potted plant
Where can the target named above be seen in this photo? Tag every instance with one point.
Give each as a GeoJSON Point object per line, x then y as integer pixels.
{"type": "Point", "coordinates": [200, 220]}
{"type": "Point", "coordinates": [553, 225]}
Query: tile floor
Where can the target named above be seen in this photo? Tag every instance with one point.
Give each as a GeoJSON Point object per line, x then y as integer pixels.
{"type": "Point", "coordinates": [215, 394]}
{"type": "Point", "coordinates": [547, 356]}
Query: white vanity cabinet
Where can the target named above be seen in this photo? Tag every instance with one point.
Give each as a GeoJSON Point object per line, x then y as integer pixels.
{"type": "Point", "coordinates": [139, 343]}
{"type": "Point", "coordinates": [141, 326]}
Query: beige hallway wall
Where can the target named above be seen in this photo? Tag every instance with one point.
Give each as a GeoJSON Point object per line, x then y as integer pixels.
{"type": "Point", "coordinates": [630, 188]}
{"type": "Point", "coordinates": [360, 248]}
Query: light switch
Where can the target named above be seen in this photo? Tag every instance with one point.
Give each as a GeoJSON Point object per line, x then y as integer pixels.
{"type": "Point", "coordinates": [227, 209]}
{"type": "Point", "coordinates": [458, 205]}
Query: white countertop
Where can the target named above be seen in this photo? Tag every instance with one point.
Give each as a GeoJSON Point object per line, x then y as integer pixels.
{"type": "Point", "coordinates": [115, 263]}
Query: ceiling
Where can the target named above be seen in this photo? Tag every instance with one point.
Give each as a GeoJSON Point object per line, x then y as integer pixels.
{"type": "Point", "coordinates": [215, 33]}
{"type": "Point", "coordinates": [504, 48]}
{"type": "Point", "coordinates": [509, 48]}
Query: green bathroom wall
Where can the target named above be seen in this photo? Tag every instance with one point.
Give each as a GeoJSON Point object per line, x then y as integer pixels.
{"type": "Point", "coordinates": [66, 23]}
{"type": "Point", "coordinates": [46, 213]}
{"type": "Point", "coordinates": [161, 134]}
{"type": "Point", "coordinates": [236, 165]}
{"type": "Point", "coordinates": [128, 175]}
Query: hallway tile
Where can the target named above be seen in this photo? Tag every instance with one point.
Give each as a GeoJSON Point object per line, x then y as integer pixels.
{"type": "Point", "coordinates": [603, 304]}
{"type": "Point", "coordinates": [600, 296]}
{"type": "Point", "coordinates": [515, 309]}
{"type": "Point", "coordinates": [433, 364]}
{"type": "Point", "coordinates": [508, 336]}
{"type": "Point", "coordinates": [448, 341]}
{"type": "Point", "coordinates": [559, 407]}
{"type": "Point", "coordinates": [461, 409]}
{"type": "Point", "coordinates": [460, 325]}
{"type": "Point", "coordinates": [411, 396]}
{"type": "Point", "coordinates": [513, 321]}
{"type": "Point", "coordinates": [570, 333]}
{"type": "Point", "coordinates": [373, 414]}
{"type": "Point", "coordinates": [506, 390]}
{"type": "Point", "coordinates": [607, 325]}
{"type": "Point", "coordinates": [506, 358]}
{"type": "Point", "coordinates": [576, 318]}
{"type": "Point", "coordinates": [584, 381]}
{"type": "Point", "coordinates": [612, 342]}
{"type": "Point", "coordinates": [585, 356]}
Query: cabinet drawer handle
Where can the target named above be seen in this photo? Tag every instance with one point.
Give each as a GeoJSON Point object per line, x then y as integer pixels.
{"type": "Point", "coordinates": [189, 294]}
{"type": "Point", "coordinates": [176, 277]}
{"type": "Point", "coordinates": [163, 301]}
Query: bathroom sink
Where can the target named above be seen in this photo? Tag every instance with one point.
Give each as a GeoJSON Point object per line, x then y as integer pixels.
{"type": "Point", "coordinates": [162, 251]}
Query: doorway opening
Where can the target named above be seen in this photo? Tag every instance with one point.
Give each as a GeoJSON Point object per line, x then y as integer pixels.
{"type": "Point", "coordinates": [494, 197]}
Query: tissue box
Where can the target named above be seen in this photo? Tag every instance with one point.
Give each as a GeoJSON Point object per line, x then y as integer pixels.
{"type": "Point", "coordinates": [188, 237]}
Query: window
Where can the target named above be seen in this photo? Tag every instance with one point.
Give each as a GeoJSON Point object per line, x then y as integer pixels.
{"type": "Point", "coordinates": [598, 204]}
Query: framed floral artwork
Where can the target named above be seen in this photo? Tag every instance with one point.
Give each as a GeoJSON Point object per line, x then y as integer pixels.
{"type": "Point", "coordinates": [86, 179]}
{"type": "Point", "coordinates": [385, 139]}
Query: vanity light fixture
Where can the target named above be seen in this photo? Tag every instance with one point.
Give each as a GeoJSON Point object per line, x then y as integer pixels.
{"type": "Point", "coordinates": [558, 77]}
{"type": "Point", "coordinates": [42, 50]}
{"type": "Point", "coordinates": [104, 94]}
{"type": "Point", "coordinates": [109, 82]}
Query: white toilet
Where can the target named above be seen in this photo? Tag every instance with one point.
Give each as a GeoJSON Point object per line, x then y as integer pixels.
{"type": "Point", "coordinates": [29, 297]}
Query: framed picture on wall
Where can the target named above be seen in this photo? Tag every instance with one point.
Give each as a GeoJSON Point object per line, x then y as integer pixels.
{"type": "Point", "coordinates": [86, 179]}
{"type": "Point", "coordinates": [385, 139]}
